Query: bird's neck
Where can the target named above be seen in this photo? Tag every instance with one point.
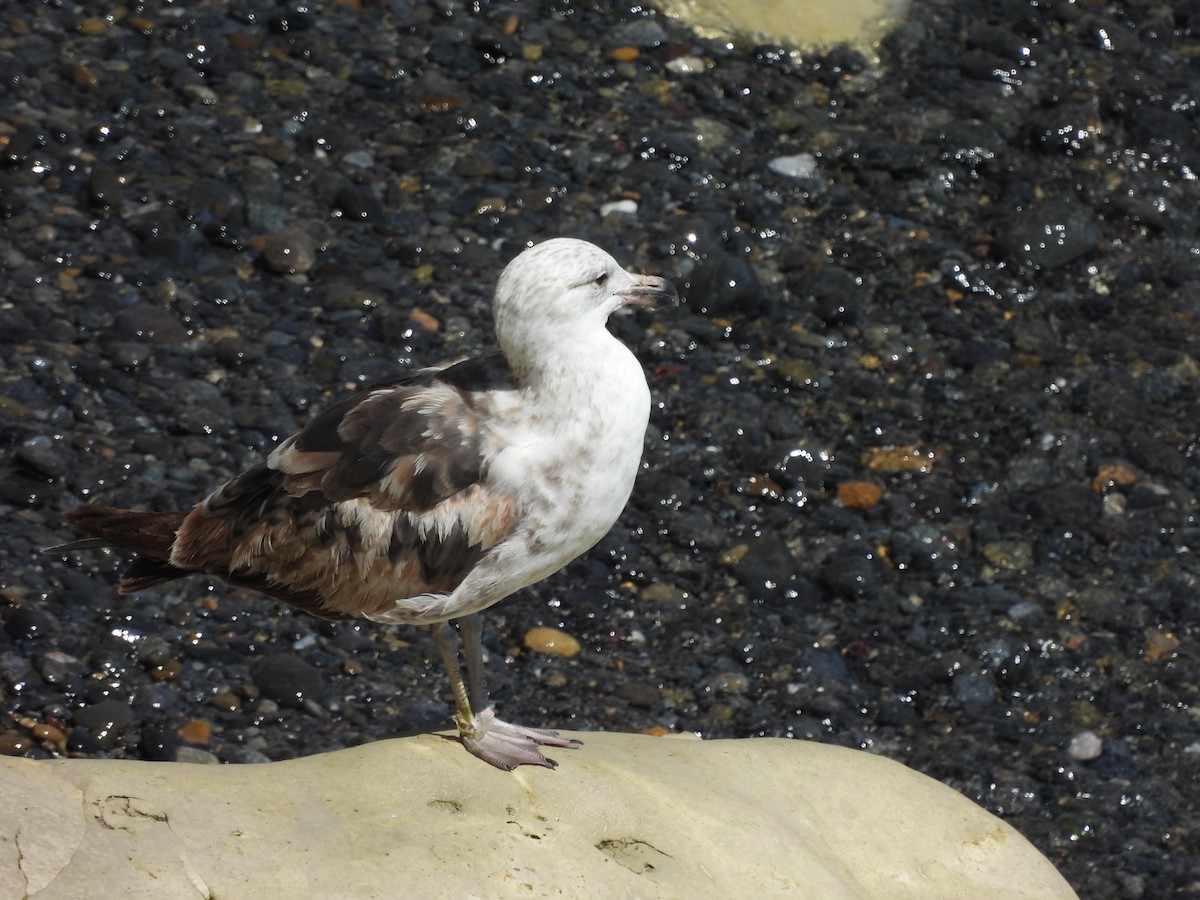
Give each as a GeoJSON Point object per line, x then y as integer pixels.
{"type": "Point", "coordinates": [561, 358]}
{"type": "Point", "coordinates": [577, 370]}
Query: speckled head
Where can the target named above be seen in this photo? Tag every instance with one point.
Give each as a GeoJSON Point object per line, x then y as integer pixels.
{"type": "Point", "coordinates": [565, 286]}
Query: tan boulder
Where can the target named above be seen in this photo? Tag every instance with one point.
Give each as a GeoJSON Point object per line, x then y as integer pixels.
{"type": "Point", "coordinates": [624, 816]}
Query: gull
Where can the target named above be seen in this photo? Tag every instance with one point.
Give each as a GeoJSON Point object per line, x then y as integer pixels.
{"type": "Point", "coordinates": [434, 494]}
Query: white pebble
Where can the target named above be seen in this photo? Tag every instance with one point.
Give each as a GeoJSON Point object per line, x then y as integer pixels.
{"type": "Point", "coordinates": [1084, 746]}
{"type": "Point", "coordinates": [685, 65]}
{"type": "Point", "coordinates": [203, 93]}
{"type": "Point", "coordinates": [1115, 505]}
{"type": "Point", "coordinates": [359, 159]}
{"type": "Point", "coordinates": [802, 165]}
{"type": "Point", "coordinates": [619, 208]}
{"type": "Point", "coordinates": [306, 641]}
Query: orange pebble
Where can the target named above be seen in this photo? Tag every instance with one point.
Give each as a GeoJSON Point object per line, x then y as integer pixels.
{"type": "Point", "coordinates": [552, 641]}
{"type": "Point", "coordinates": [44, 732]}
{"type": "Point", "coordinates": [168, 671]}
{"type": "Point", "coordinates": [859, 494]}
{"type": "Point", "coordinates": [196, 731]}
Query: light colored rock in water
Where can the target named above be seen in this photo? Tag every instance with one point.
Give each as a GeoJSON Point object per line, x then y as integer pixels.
{"type": "Point", "coordinates": [625, 816]}
{"type": "Point", "coordinates": [804, 23]}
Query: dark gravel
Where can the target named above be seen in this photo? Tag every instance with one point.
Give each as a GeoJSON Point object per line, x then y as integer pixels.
{"type": "Point", "coordinates": [983, 300]}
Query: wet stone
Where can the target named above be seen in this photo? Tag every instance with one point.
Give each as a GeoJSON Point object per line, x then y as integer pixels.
{"type": "Point", "coordinates": [1014, 555]}
{"type": "Point", "coordinates": [727, 284]}
{"type": "Point", "coordinates": [236, 350]}
{"type": "Point", "coordinates": [1071, 129]}
{"type": "Point", "coordinates": [210, 200]}
{"type": "Point", "coordinates": [1050, 235]}
{"type": "Point", "coordinates": [26, 622]}
{"type": "Point", "coordinates": [249, 756]}
{"type": "Point", "coordinates": [158, 744]}
{"type": "Point", "coordinates": [852, 574]}
{"type": "Point", "coordinates": [227, 700]}
{"type": "Point", "coordinates": [49, 734]}
{"type": "Point", "coordinates": [810, 466]}
{"type": "Point", "coordinates": [729, 683]}
{"type": "Point", "coordinates": [152, 650]}
{"type": "Point", "coordinates": [973, 690]}
{"type": "Point", "coordinates": [836, 295]}
{"type": "Point", "coordinates": [552, 642]}
{"type": "Point", "coordinates": [643, 33]}
{"type": "Point", "coordinates": [767, 567]}
{"type": "Point", "coordinates": [41, 456]}
{"type": "Point", "coordinates": [167, 670]}
{"type": "Point", "coordinates": [150, 325]}
{"type": "Point", "coordinates": [1154, 125]}
{"type": "Point", "coordinates": [105, 719]}
{"type": "Point", "coordinates": [188, 754]}
{"type": "Point", "coordinates": [263, 212]}
{"type": "Point", "coordinates": [13, 743]}
{"type": "Point", "coordinates": [662, 593]}
{"type": "Point", "coordinates": [799, 166]}
{"type": "Point", "coordinates": [289, 251]}
{"type": "Point", "coordinates": [358, 203]}
{"type": "Point", "coordinates": [1084, 746]}
{"type": "Point", "coordinates": [288, 680]}
{"type": "Point", "coordinates": [82, 742]}
{"type": "Point", "coordinates": [105, 188]}
{"type": "Point", "coordinates": [640, 694]}
{"type": "Point", "coordinates": [59, 669]}
{"type": "Point", "coordinates": [196, 731]}
{"type": "Point", "coordinates": [14, 668]}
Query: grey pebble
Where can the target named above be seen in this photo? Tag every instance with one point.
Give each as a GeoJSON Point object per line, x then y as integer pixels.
{"type": "Point", "coordinates": [290, 251]}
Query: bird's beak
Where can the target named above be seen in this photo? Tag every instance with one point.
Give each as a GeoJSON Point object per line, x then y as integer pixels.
{"type": "Point", "coordinates": [648, 290]}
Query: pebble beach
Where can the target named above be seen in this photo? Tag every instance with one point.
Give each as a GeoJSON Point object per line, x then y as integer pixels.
{"type": "Point", "coordinates": [921, 476]}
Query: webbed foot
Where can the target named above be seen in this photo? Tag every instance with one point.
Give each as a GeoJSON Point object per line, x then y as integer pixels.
{"type": "Point", "coordinates": [505, 745]}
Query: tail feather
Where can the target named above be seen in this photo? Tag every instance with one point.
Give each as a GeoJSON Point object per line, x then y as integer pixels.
{"type": "Point", "coordinates": [149, 534]}
{"type": "Point", "coordinates": [152, 535]}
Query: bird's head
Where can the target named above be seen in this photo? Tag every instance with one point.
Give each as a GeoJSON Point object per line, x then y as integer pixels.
{"type": "Point", "coordinates": [564, 284]}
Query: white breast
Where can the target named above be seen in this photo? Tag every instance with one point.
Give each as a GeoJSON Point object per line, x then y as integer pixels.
{"type": "Point", "coordinates": [567, 449]}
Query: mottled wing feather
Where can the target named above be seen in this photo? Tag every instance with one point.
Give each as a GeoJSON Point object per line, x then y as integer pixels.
{"type": "Point", "coordinates": [377, 499]}
{"type": "Point", "coordinates": [408, 443]}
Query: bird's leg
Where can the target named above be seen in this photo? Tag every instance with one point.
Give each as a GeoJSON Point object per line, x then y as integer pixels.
{"type": "Point", "coordinates": [447, 644]}
{"type": "Point", "coordinates": [471, 629]}
{"type": "Point", "coordinates": [493, 740]}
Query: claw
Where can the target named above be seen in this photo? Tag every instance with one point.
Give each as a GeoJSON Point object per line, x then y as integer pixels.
{"type": "Point", "coordinates": [505, 745]}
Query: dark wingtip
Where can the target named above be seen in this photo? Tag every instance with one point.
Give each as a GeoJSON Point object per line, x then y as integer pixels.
{"type": "Point", "coordinates": [150, 534]}
{"type": "Point", "coordinates": [71, 546]}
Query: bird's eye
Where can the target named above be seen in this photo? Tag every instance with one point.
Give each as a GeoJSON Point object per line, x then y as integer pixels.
{"type": "Point", "coordinates": [600, 279]}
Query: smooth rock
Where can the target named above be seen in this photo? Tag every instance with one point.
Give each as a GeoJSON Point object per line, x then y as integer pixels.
{"type": "Point", "coordinates": [625, 816]}
{"type": "Point", "coordinates": [290, 251]}
{"type": "Point", "coordinates": [619, 208]}
{"type": "Point", "coordinates": [1051, 234]}
{"type": "Point", "coordinates": [287, 679]}
{"type": "Point", "coordinates": [105, 719]}
{"type": "Point", "coordinates": [806, 23]}
{"type": "Point", "coordinates": [1084, 746]}
{"type": "Point", "coordinates": [802, 165]}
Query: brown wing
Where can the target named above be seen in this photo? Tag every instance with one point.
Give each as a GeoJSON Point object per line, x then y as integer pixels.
{"type": "Point", "coordinates": [379, 497]}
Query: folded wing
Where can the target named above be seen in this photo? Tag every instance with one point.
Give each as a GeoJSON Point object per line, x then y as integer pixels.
{"type": "Point", "coordinates": [382, 496]}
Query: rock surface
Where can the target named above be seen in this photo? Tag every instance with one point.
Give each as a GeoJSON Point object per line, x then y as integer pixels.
{"type": "Point", "coordinates": [805, 23]}
{"type": "Point", "coordinates": [626, 816]}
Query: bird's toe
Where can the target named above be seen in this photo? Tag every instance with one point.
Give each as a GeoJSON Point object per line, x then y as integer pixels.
{"type": "Point", "coordinates": [506, 746]}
